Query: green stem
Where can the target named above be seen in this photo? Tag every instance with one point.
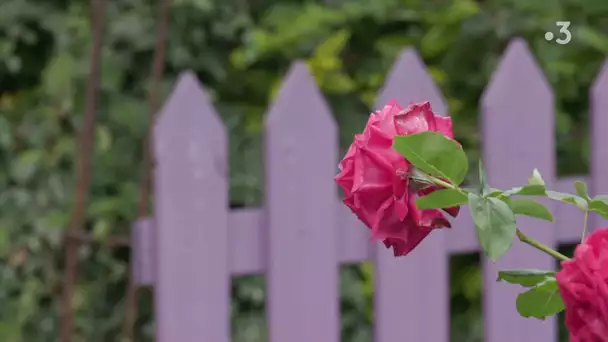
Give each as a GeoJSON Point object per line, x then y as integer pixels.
{"type": "Point", "coordinates": [444, 184]}
{"type": "Point", "coordinates": [541, 247]}
{"type": "Point", "coordinates": [585, 225]}
{"type": "Point", "coordinates": [522, 237]}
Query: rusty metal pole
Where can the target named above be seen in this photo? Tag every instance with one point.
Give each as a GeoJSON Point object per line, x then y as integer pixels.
{"type": "Point", "coordinates": [82, 171]}
{"type": "Point", "coordinates": [131, 301]}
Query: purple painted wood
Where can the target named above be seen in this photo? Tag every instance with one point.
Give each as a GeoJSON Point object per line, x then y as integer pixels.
{"type": "Point", "coordinates": [411, 298]}
{"type": "Point", "coordinates": [301, 158]}
{"type": "Point", "coordinates": [599, 140]}
{"type": "Point", "coordinates": [191, 208]}
{"type": "Point", "coordinates": [144, 252]}
{"type": "Point", "coordinates": [568, 218]}
{"type": "Point", "coordinates": [518, 135]}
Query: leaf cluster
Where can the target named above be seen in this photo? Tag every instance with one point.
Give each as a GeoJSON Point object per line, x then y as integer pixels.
{"type": "Point", "coordinates": [442, 162]}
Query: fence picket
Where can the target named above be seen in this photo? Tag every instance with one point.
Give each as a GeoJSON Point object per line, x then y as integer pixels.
{"type": "Point", "coordinates": [144, 252]}
{"type": "Point", "coordinates": [598, 117]}
{"type": "Point", "coordinates": [301, 157]}
{"type": "Point", "coordinates": [411, 301]}
{"type": "Point", "coordinates": [518, 136]}
{"type": "Point", "coordinates": [191, 207]}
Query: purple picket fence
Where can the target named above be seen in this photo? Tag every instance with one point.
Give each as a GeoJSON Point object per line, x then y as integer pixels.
{"type": "Point", "coordinates": [195, 243]}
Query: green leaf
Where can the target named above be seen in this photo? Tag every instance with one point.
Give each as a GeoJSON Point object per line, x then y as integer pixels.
{"type": "Point", "coordinates": [27, 164]}
{"type": "Point", "coordinates": [568, 198]}
{"type": "Point", "coordinates": [536, 178]}
{"type": "Point", "coordinates": [435, 154]}
{"type": "Point", "coordinates": [535, 187]}
{"type": "Point", "coordinates": [529, 207]}
{"type": "Point", "coordinates": [445, 198]}
{"type": "Point", "coordinates": [541, 301]}
{"type": "Point", "coordinates": [103, 138]}
{"type": "Point", "coordinates": [495, 224]}
{"type": "Point", "coordinates": [58, 76]}
{"type": "Point", "coordinates": [603, 198]}
{"type": "Point", "coordinates": [493, 192]}
{"type": "Point", "coordinates": [483, 183]}
{"type": "Point", "coordinates": [599, 204]}
{"type": "Point", "coordinates": [526, 190]}
{"type": "Point", "coordinates": [525, 278]}
{"type": "Point", "coordinates": [581, 189]}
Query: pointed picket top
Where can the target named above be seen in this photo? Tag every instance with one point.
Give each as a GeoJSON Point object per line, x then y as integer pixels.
{"type": "Point", "coordinates": [191, 213]}
{"type": "Point", "coordinates": [299, 93]}
{"type": "Point", "coordinates": [516, 74]}
{"type": "Point", "coordinates": [188, 114]}
{"type": "Point", "coordinates": [518, 120]}
{"type": "Point", "coordinates": [598, 117]}
{"type": "Point", "coordinates": [301, 156]}
{"type": "Point", "coordinates": [409, 81]}
{"type": "Point", "coordinates": [404, 285]}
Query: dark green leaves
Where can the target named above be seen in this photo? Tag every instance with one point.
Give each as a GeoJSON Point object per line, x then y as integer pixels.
{"type": "Point", "coordinates": [525, 278]}
{"type": "Point", "coordinates": [435, 154]}
{"type": "Point", "coordinates": [541, 300]}
{"type": "Point", "coordinates": [442, 199]}
{"type": "Point", "coordinates": [494, 223]}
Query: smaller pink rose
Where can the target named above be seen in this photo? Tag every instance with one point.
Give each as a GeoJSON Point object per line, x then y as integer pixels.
{"type": "Point", "coordinates": [583, 284]}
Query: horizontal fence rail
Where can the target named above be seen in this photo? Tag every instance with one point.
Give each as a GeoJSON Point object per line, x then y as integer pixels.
{"type": "Point", "coordinates": [194, 244]}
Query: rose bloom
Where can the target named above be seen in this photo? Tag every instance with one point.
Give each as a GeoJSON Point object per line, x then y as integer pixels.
{"type": "Point", "coordinates": [376, 178]}
{"type": "Point", "coordinates": [583, 284]}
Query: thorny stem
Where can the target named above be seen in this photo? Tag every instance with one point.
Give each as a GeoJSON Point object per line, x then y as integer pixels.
{"type": "Point", "coordinates": [522, 237]}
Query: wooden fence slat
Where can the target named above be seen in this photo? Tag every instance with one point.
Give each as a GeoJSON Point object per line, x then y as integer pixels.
{"type": "Point", "coordinates": [191, 208]}
{"type": "Point", "coordinates": [301, 159]}
{"type": "Point", "coordinates": [411, 301]}
{"type": "Point", "coordinates": [247, 247]}
{"type": "Point", "coordinates": [518, 136]}
{"type": "Point", "coordinates": [144, 252]}
{"type": "Point", "coordinates": [568, 218]}
{"type": "Point", "coordinates": [599, 140]}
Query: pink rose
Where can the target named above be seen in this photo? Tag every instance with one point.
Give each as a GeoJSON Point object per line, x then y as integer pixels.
{"type": "Point", "coordinates": [583, 284]}
{"type": "Point", "coordinates": [375, 177]}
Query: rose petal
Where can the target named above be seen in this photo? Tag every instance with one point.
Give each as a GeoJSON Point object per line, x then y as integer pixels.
{"type": "Point", "coordinates": [415, 119]}
{"type": "Point", "coordinates": [444, 125]}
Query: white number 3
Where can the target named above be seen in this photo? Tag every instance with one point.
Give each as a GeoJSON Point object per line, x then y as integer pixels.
{"type": "Point", "coordinates": [563, 28]}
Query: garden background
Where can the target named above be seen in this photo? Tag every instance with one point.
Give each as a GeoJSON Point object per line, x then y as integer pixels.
{"type": "Point", "coordinates": [240, 50]}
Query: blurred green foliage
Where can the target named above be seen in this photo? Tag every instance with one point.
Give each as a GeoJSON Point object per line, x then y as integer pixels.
{"type": "Point", "coordinates": [240, 50]}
